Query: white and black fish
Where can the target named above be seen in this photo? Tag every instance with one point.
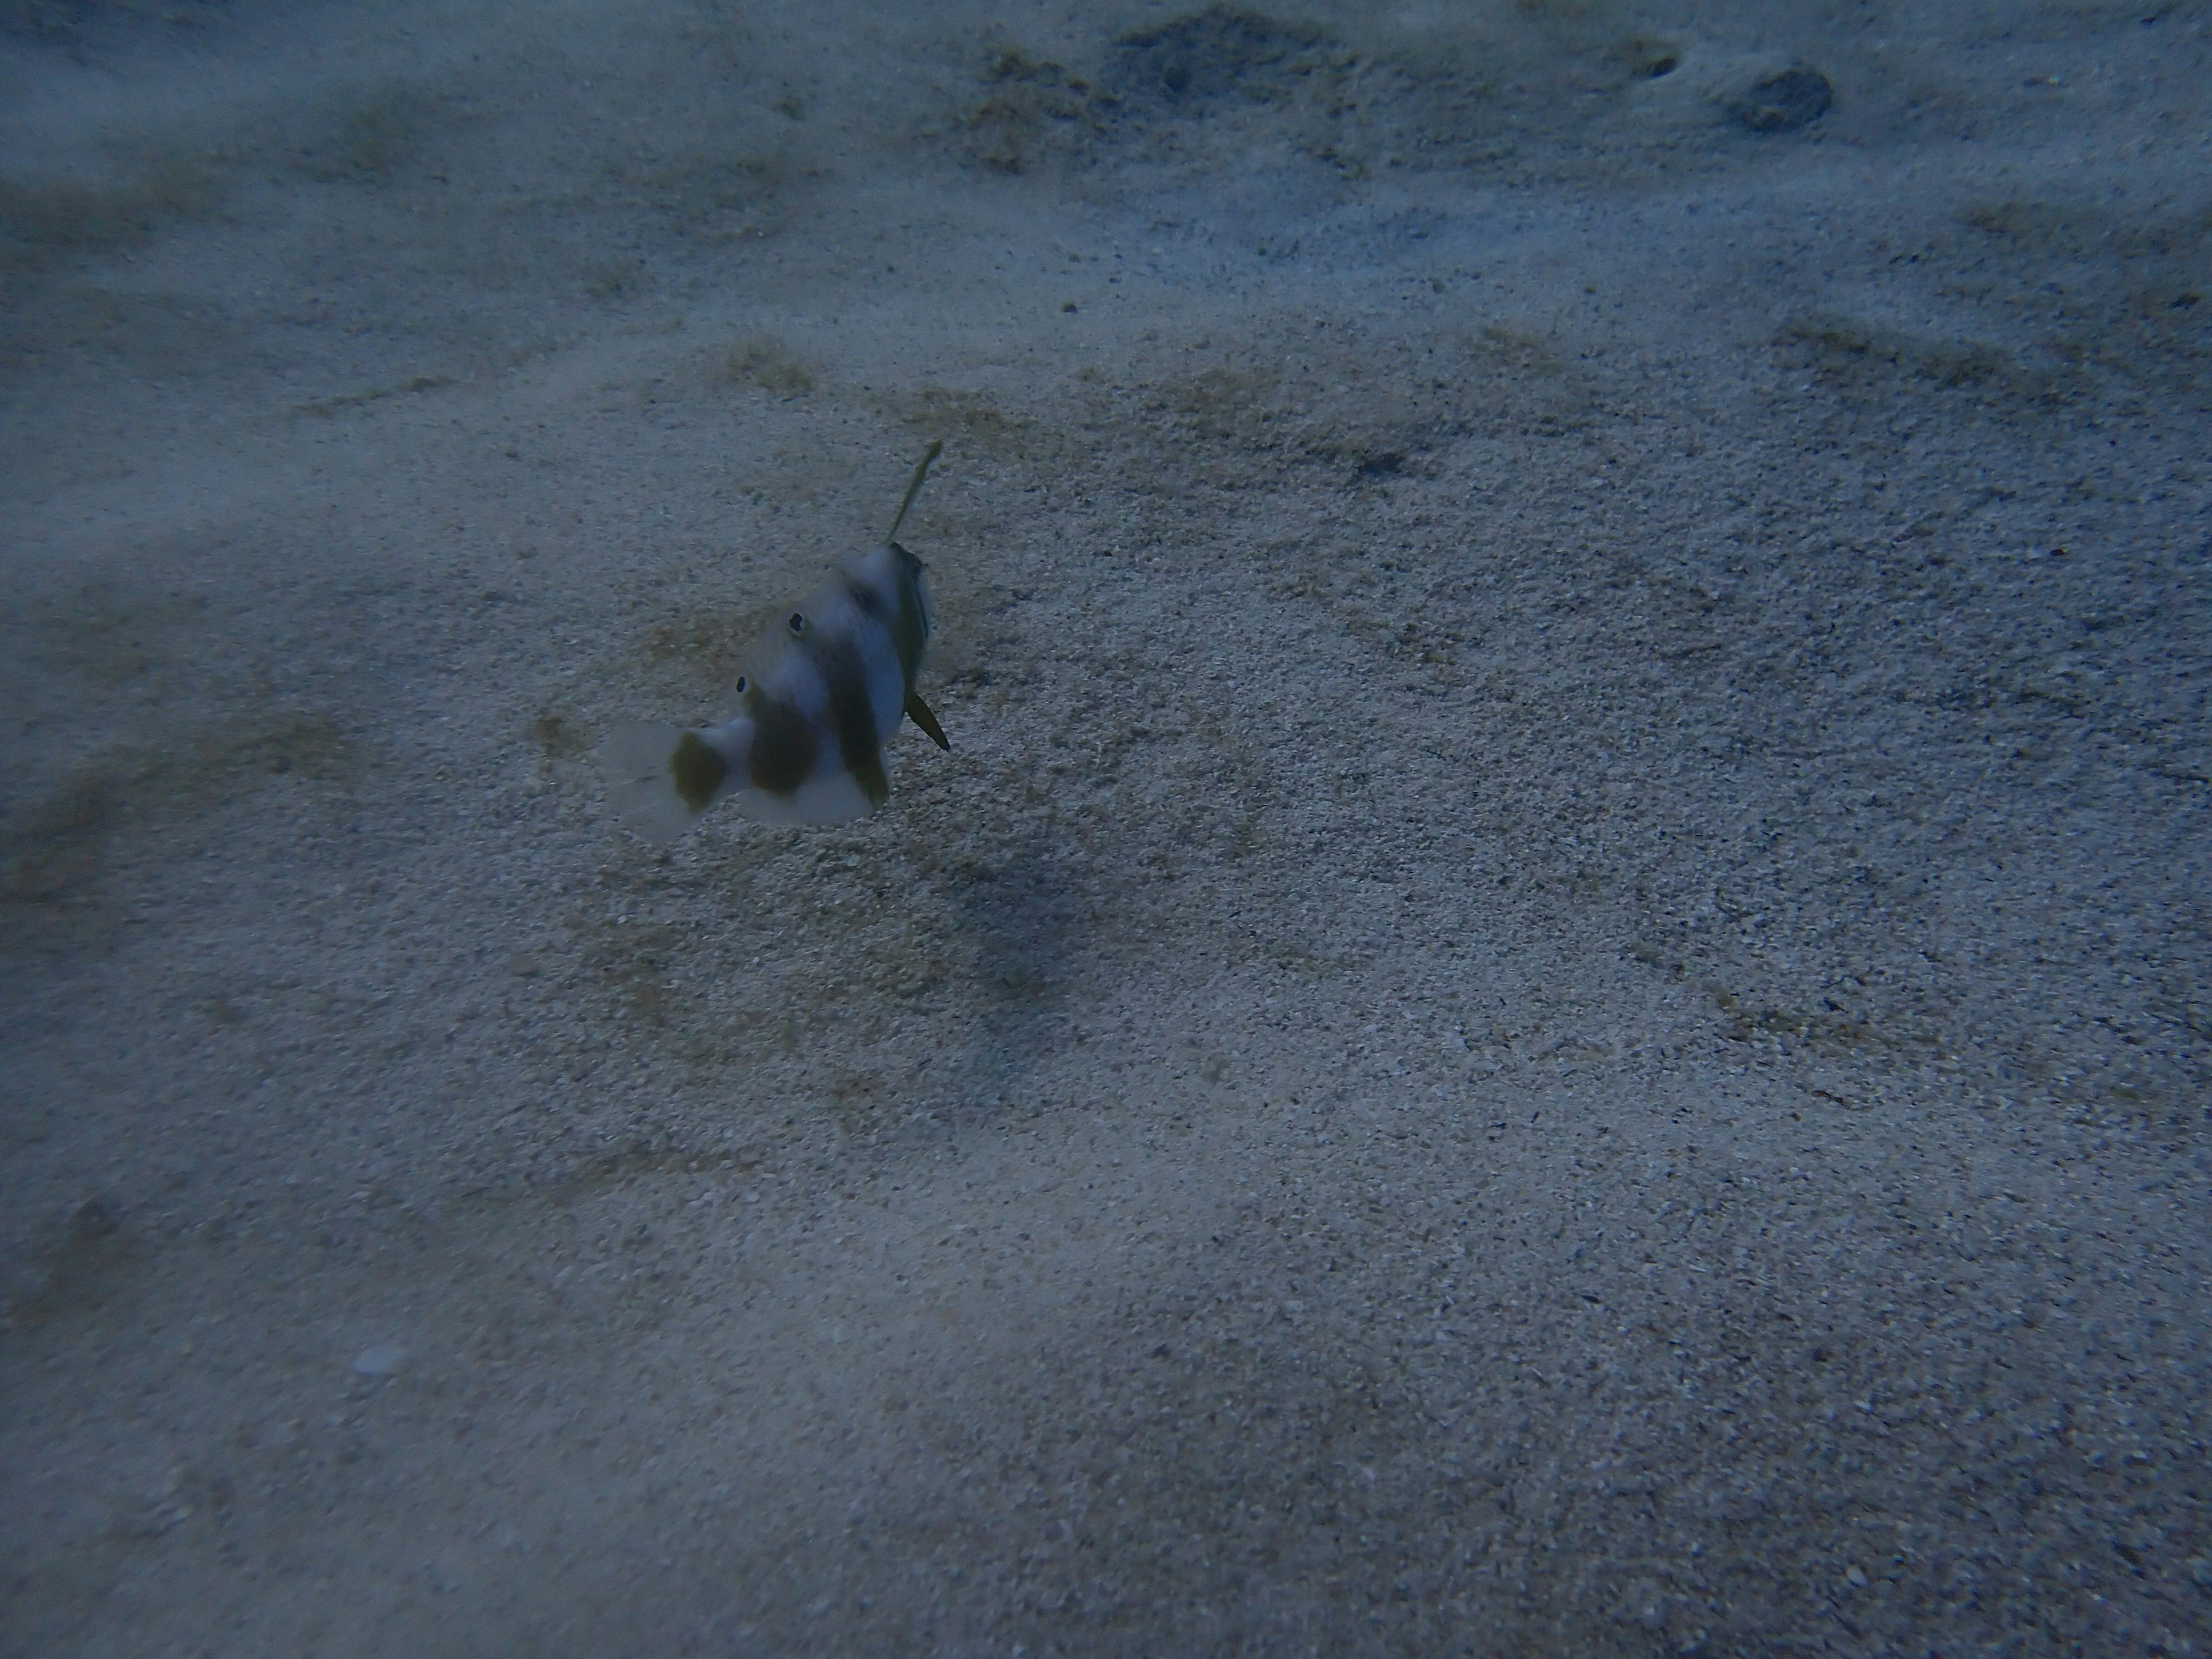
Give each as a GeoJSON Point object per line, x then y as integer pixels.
{"type": "Point", "coordinates": [821, 692]}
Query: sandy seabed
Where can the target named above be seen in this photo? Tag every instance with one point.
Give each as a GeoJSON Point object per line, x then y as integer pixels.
{"type": "Point", "coordinates": [1554, 999]}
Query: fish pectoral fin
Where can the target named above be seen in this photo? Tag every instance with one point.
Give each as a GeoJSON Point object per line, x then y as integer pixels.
{"type": "Point", "coordinates": [918, 712]}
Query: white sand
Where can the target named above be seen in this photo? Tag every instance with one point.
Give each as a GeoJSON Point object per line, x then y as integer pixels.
{"type": "Point", "coordinates": [1555, 999]}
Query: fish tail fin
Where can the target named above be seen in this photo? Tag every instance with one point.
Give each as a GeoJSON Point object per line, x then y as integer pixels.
{"type": "Point", "coordinates": [643, 779]}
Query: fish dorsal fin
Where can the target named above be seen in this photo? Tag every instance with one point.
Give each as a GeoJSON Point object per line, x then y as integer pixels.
{"type": "Point", "coordinates": [914, 487]}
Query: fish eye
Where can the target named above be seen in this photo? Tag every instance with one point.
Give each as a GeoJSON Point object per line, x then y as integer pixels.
{"type": "Point", "coordinates": [798, 623]}
{"type": "Point", "coordinates": [743, 682]}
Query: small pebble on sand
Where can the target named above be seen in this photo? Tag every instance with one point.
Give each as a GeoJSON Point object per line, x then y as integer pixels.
{"type": "Point", "coordinates": [381, 1360]}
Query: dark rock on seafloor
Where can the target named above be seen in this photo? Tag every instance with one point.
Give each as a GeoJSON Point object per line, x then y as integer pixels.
{"type": "Point", "coordinates": [1222, 55]}
{"type": "Point", "coordinates": [1783, 103]}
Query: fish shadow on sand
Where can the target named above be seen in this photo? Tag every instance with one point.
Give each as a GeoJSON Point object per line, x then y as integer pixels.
{"type": "Point", "coordinates": [1028, 919]}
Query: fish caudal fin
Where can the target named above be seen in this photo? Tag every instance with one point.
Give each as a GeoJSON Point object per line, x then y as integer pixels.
{"type": "Point", "coordinates": [647, 778]}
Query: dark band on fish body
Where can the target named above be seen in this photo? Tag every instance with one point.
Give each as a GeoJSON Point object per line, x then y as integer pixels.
{"type": "Point", "coordinates": [875, 783]}
{"type": "Point", "coordinates": [783, 747]}
{"type": "Point", "coordinates": [696, 770]}
{"type": "Point", "coordinates": [909, 625]}
{"type": "Point", "coordinates": [853, 714]}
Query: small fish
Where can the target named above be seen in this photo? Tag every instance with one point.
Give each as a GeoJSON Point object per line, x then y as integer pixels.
{"type": "Point", "coordinates": [820, 692]}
